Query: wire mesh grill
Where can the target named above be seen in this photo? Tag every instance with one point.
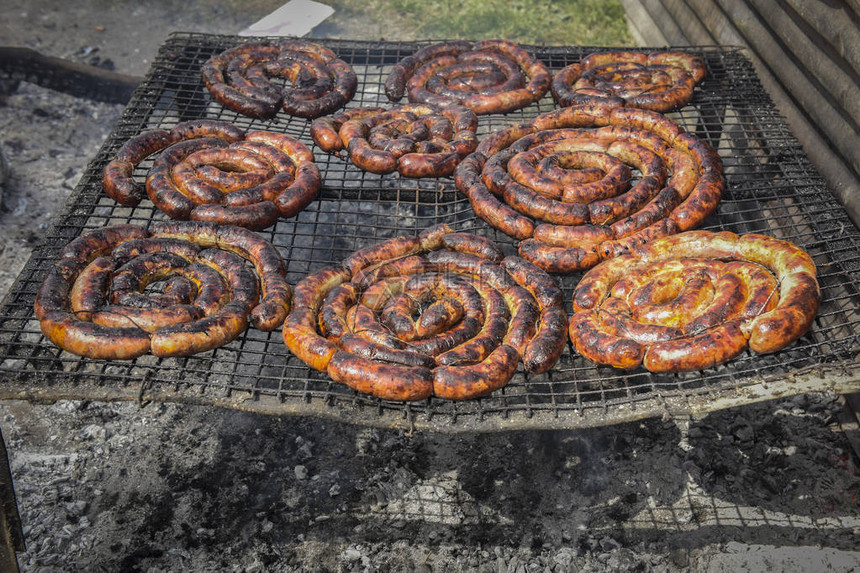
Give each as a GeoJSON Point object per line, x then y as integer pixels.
{"type": "Point", "coordinates": [771, 188]}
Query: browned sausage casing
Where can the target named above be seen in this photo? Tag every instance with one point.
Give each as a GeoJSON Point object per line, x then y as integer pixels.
{"type": "Point", "coordinates": [243, 79]}
{"type": "Point", "coordinates": [98, 300]}
{"type": "Point", "coordinates": [493, 76]}
{"type": "Point", "coordinates": [442, 314]}
{"type": "Point", "coordinates": [659, 81]}
{"type": "Point", "coordinates": [207, 170]}
{"type": "Point", "coordinates": [589, 182]}
{"type": "Point", "coordinates": [415, 140]}
{"type": "Point", "coordinates": [694, 300]}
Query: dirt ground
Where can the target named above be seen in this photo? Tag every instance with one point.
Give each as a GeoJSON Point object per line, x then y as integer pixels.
{"type": "Point", "coordinates": [118, 487]}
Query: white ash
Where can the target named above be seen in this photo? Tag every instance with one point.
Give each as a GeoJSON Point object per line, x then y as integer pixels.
{"type": "Point", "coordinates": [105, 487]}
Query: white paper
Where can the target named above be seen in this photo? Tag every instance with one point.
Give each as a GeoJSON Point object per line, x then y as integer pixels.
{"type": "Point", "coordinates": [295, 18]}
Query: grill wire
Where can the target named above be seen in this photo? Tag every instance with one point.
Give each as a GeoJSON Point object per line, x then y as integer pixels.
{"type": "Point", "coordinates": [771, 188]}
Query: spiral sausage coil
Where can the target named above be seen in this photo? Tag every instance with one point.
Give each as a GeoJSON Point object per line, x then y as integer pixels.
{"type": "Point", "coordinates": [442, 314]}
{"type": "Point", "coordinates": [209, 170]}
{"type": "Point", "coordinates": [416, 140]}
{"type": "Point", "coordinates": [493, 76]}
{"type": "Point", "coordinates": [694, 300]}
{"type": "Point", "coordinates": [586, 183]}
{"type": "Point", "coordinates": [659, 81]}
{"type": "Point", "coordinates": [176, 289]}
{"type": "Point", "coordinates": [248, 79]}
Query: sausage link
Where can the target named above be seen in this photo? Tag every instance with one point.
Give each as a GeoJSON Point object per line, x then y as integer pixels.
{"type": "Point", "coordinates": [117, 177]}
{"type": "Point", "coordinates": [90, 289]}
{"type": "Point", "coordinates": [94, 302]}
{"type": "Point", "coordinates": [271, 270]}
{"type": "Point", "coordinates": [799, 294]}
{"type": "Point", "coordinates": [301, 338]}
{"type": "Point", "coordinates": [442, 311]}
{"type": "Point", "coordinates": [242, 79]}
{"type": "Point", "coordinates": [380, 352]}
{"type": "Point", "coordinates": [564, 184]}
{"type": "Point", "coordinates": [493, 76]}
{"type": "Point", "coordinates": [473, 244]}
{"type": "Point", "coordinates": [416, 140]}
{"type": "Point", "coordinates": [92, 340]}
{"type": "Point", "coordinates": [495, 324]}
{"type": "Point", "coordinates": [325, 131]}
{"type": "Point", "coordinates": [475, 380]}
{"type": "Point", "coordinates": [693, 300]}
{"type": "Point", "coordinates": [547, 343]}
{"type": "Point", "coordinates": [714, 346]}
{"type": "Point", "coordinates": [386, 381]}
{"type": "Point", "coordinates": [559, 259]}
{"type": "Point", "coordinates": [659, 81]}
{"type": "Point", "coordinates": [395, 84]}
{"type": "Point", "coordinates": [208, 170]}
{"type": "Point", "coordinates": [593, 342]}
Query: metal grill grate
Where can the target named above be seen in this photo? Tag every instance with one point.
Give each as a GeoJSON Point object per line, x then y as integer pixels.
{"type": "Point", "coordinates": [772, 189]}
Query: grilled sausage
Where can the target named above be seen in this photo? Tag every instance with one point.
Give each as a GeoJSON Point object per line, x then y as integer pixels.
{"type": "Point", "coordinates": [395, 85]}
{"type": "Point", "coordinates": [799, 294]}
{"type": "Point", "coordinates": [492, 76]}
{"type": "Point", "coordinates": [271, 270]}
{"type": "Point", "coordinates": [241, 79]}
{"type": "Point", "coordinates": [93, 302]}
{"type": "Point", "coordinates": [386, 381]}
{"type": "Point", "coordinates": [207, 170]}
{"type": "Point", "coordinates": [693, 300]}
{"type": "Point", "coordinates": [475, 380]}
{"type": "Point", "coordinates": [712, 347]}
{"type": "Point", "coordinates": [92, 340]}
{"type": "Point", "coordinates": [548, 342]}
{"type": "Point", "coordinates": [223, 325]}
{"type": "Point", "coordinates": [564, 184]}
{"type": "Point", "coordinates": [325, 131]}
{"type": "Point", "coordinates": [415, 140]}
{"type": "Point", "coordinates": [443, 313]}
{"type": "Point", "coordinates": [117, 177]}
{"type": "Point", "coordinates": [485, 204]}
{"type": "Point", "coordinates": [660, 81]}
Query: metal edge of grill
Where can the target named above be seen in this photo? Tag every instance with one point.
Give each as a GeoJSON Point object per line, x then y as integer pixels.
{"type": "Point", "coordinates": [771, 188]}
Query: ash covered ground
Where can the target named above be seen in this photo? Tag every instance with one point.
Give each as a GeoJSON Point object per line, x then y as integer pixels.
{"type": "Point", "coordinates": [119, 487]}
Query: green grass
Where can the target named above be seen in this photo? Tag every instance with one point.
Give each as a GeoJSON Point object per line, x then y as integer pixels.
{"type": "Point", "coordinates": [579, 22]}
